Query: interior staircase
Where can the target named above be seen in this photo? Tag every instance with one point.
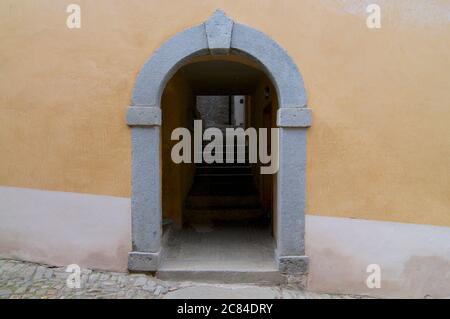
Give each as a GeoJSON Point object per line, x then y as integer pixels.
{"type": "Point", "coordinates": [226, 238]}
{"type": "Point", "coordinates": [223, 191]}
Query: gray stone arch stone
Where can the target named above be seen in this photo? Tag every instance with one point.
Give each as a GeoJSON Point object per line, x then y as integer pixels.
{"type": "Point", "coordinates": [218, 35]}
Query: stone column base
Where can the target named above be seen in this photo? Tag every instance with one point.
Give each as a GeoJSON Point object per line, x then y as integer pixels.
{"type": "Point", "coordinates": [295, 269]}
{"type": "Point", "coordinates": [293, 265]}
{"type": "Point", "coordinates": [142, 261]}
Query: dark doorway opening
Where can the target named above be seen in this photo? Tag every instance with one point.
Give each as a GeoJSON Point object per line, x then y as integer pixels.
{"type": "Point", "coordinates": [226, 222]}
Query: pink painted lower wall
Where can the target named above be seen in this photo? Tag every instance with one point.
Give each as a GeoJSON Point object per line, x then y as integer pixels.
{"type": "Point", "coordinates": [414, 259]}
{"type": "Point", "coordinates": [59, 228]}
{"type": "Point", "coordinates": [94, 231]}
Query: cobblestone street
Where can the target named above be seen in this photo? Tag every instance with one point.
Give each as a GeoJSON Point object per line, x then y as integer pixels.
{"type": "Point", "coordinates": [20, 280]}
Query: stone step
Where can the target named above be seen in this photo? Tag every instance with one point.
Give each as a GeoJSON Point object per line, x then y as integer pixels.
{"type": "Point", "coordinates": [224, 174]}
{"type": "Point", "coordinates": [230, 180]}
{"type": "Point", "coordinates": [234, 162]}
{"type": "Point", "coordinates": [204, 164]}
{"type": "Point", "coordinates": [224, 155]}
{"type": "Point", "coordinates": [224, 170]}
{"type": "Point", "coordinates": [230, 214]}
{"type": "Point", "coordinates": [223, 252]}
{"type": "Point", "coordinates": [223, 185]}
{"type": "Point", "coordinates": [224, 141]}
{"type": "Point", "coordinates": [237, 189]}
{"type": "Point", "coordinates": [222, 201]}
{"type": "Point", "coordinates": [255, 276]}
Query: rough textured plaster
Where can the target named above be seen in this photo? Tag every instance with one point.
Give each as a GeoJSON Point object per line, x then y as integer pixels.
{"type": "Point", "coordinates": [420, 12]}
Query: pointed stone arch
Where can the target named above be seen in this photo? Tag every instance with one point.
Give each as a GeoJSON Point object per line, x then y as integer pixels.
{"type": "Point", "coordinates": [218, 35]}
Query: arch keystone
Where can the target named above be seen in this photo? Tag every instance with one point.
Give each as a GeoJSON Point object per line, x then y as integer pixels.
{"type": "Point", "coordinates": [218, 33]}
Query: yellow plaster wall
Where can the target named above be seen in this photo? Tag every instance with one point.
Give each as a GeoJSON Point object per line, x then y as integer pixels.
{"type": "Point", "coordinates": [177, 104]}
{"type": "Point", "coordinates": [266, 184]}
{"type": "Point", "coordinates": [380, 144]}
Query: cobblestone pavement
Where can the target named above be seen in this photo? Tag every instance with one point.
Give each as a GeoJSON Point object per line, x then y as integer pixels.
{"type": "Point", "coordinates": [20, 280]}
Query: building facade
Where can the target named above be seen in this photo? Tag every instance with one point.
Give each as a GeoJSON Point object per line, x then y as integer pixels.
{"type": "Point", "coordinates": [363, 185]}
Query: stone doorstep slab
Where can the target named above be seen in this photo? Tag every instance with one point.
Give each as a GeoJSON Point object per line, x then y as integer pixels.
{"type": "Point", "coordinates": [224, 276]}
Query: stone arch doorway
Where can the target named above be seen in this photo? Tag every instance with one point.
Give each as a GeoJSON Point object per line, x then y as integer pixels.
{"type": "Point", "coordinates": [218, 36]}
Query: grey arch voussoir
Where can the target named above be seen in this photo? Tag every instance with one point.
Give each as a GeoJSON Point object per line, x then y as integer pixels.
{"type": "Point", "coordinates": [164, 62]}
{"type": "Point", "coordinates": [279, 66]}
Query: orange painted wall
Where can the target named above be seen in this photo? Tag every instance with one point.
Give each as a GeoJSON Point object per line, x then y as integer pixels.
{"type": "Point", "coordinates": [379, 147]}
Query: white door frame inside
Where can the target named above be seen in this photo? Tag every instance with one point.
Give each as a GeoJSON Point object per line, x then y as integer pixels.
{"type": "Point", "coordinates": [218, 35]}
